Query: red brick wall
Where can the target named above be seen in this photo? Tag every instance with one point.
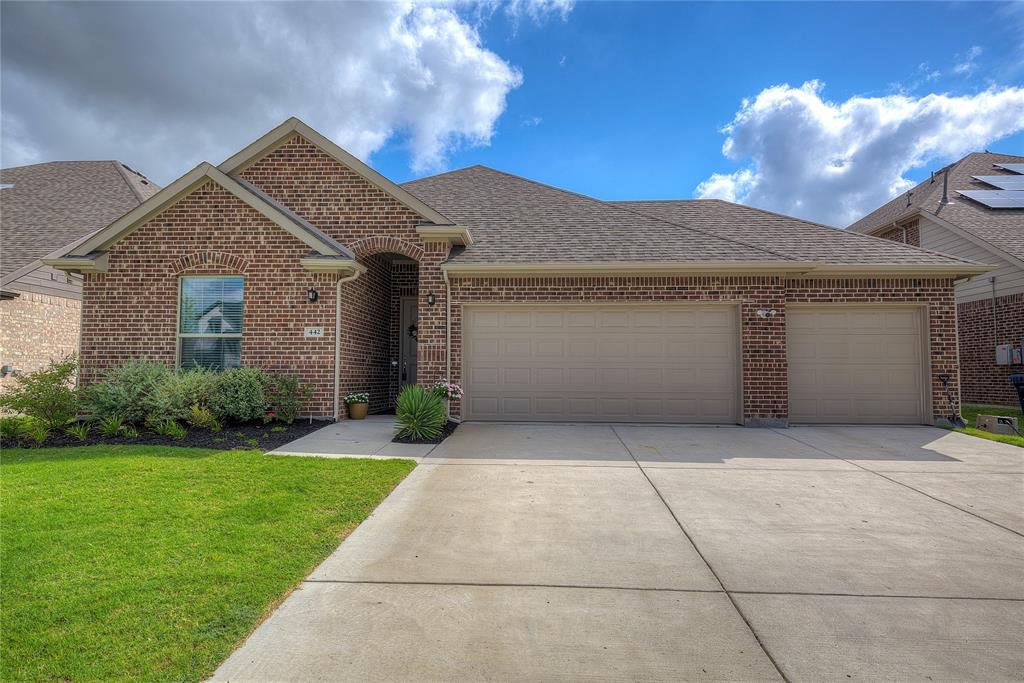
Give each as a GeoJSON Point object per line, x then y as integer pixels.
{"type": "Point", "coordinates": [131, 310]}
{"type": "Point", "coordinates": [35, 329]}
{"type": "Point", "coordinates": [365, 329]}
{"type": "Point", "coordinates": [763, 342]}
{"type": "Point", "coordinates": [908, 233]}
{"type": "Point", "coordinates": [982, 380]}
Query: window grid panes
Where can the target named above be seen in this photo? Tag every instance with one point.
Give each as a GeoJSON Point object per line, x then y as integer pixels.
{"type": "Point", "coordinates": [210, 322]}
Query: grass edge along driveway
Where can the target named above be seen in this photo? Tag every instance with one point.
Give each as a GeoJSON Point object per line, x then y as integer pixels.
{"type": "Point", "coordinates": [154, 563]}
{"type": "Point", "coordinates": [970, 415]}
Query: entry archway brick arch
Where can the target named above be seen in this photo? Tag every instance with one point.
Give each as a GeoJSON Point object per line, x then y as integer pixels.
{"type": "Point", "coordinates": [381, 244]}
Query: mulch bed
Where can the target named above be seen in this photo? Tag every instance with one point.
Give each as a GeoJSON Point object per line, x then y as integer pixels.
{"type": "Point", "coordinates": [446, 431]}
{"type": "Point", "coordinates": [247, 436]}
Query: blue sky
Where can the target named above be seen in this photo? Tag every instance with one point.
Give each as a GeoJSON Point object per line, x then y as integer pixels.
{"type": "Point", "coordinates": [616, 100]}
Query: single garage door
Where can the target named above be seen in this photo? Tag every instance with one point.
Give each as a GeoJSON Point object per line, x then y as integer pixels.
{"type": "Point", "coordinates": [641, 363]}
{"type": "Point", "coordinates": [852, 364]}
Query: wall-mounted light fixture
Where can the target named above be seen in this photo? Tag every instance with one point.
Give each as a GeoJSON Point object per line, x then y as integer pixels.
{"type": "Point", "coordinates": [767, 313]}
{"type": "Point", "coordinates": [312, 295]}
{"type": "Point", "coordinates": [431, 299]}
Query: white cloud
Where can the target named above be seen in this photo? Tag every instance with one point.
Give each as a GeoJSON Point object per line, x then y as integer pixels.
{"type": "Point", "coordinates": [163, 86]}
{"type": "Point", "coordinates": [833, 162]}
{"type": "Point", "coordinates": [968, 64]}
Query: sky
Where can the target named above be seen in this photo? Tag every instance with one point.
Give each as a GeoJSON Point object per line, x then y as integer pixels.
{"type": "Point", "coordinates": [818, 110]}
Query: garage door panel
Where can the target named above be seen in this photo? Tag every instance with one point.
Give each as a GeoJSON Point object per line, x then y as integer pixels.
{"type": "Point", "coordinates": [855, 365]}
{"type": "Point", "coordinates": [593, 363]}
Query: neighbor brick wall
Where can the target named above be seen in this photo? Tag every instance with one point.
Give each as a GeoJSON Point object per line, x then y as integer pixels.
{"type": "Point", "coordinates": [982, 380]}
{"type": "Point", "coordinates": [131, 310]}
{"type": "Point", "coordinates": [365, 333]}
{"type": "Point", "coordinates": [908, 233]}
{"type": "Point", "coordinates": [763, 342]}
{"type": "Point", "coordinates": [35, 329]}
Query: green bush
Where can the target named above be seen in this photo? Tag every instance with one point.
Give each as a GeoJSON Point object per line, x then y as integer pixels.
{"type": "Point", "coordinates": [13, 426]}
{"type": "Point", "coordinates": [127, 391]}
{"type": "Point", "coordinates": [284, 398]}
{"type": "Point", "coordinates": [240, 394]}
{"type": "Point", "coordinates": [79, 430]}
{"type": "Point", "coordinates": [203, 418]}
{"type": "Point", "coordinates": [170, 428]}
{"type": "Point", "coordinates": [37, 431]}
{"type": "Point", "coordinates": [111, 425]}
{"type": "Point", "coordinates": [174, 396]}
{"type": "Point", "coordinates": [48, 395]}
{"type": "Point", "coordinates": [419, 414]}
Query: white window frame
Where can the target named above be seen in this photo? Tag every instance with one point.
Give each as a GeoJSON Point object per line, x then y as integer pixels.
{"type": "Point", "coordinates": [179, 335]}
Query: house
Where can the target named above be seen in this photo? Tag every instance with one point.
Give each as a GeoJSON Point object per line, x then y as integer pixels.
{"type": "Point", "coordinates": [43, 207]}
{"type": "Point", "coordinates": [545, 304]}
{"type": "Point", "coordinates": [973, 209]}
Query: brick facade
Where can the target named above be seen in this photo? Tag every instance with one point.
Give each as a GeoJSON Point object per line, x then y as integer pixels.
{"type": "Point", "coordinates": [35, 329]}
{"type": "Point", "coordinates": [908, 233]}
{"type": "Point", "coordinates": [763, 340]}
{"type": "Point", "coordinates": [982, 380]}
{"type": "Point", "coordinates": [131, 310]}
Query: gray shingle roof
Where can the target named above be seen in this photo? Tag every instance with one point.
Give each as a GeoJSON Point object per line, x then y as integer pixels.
{"type": "Point", "coordinates": [55, 203]}
{"type": "Point", "coordinates": [798, 239]}
{"type": "Point", "coordinates": [515, 220]}
{"type": "Point", "coordinates": [1003, 228]}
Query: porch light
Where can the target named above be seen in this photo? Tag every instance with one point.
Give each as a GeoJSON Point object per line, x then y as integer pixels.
{"type": "Point", "coordinates": [431, 299]}
{"type": "Point", "coordinates": [312, 295]}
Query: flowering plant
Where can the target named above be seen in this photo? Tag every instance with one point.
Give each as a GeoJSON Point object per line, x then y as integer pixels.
{"type": "Point", "coordinates": [447, 390]}
{"type": "Point", "coordinates": [358, 397]}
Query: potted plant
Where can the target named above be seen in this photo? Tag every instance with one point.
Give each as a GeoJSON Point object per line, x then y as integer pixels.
{"type": "Point", "coordinates": [358, 403]}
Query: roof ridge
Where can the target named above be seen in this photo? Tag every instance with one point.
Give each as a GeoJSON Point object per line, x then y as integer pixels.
{"type": "Point", "coordinates": [122, 170]}
{"type": "Point", "coordinates": [646, 216]}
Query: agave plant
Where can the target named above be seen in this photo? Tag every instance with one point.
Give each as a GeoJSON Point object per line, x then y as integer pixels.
{"type": "Point", "coordinates": [419, 414]}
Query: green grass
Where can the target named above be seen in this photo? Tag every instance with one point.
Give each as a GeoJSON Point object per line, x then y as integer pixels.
{"type": "Point", "coordinates": [154, 563]}
{"type": "Point", "coordinates": [971, 412]}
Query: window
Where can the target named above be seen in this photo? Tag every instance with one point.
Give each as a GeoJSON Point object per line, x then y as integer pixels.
{"type": "Point", "coordinates": [210, 322]}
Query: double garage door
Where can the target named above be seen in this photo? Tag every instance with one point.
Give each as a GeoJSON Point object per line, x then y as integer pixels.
{"type": "Point", "coordinates": [681, 363]}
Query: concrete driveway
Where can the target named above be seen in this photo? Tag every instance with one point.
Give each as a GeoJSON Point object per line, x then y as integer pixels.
{"type": "Point", "coordinates": [557, 552]}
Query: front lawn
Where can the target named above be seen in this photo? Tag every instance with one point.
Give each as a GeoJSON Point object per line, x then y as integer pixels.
{"type": "Point", "coordinates": [154, 563]}
{"type": "Point", "coordinates": [970, 415]}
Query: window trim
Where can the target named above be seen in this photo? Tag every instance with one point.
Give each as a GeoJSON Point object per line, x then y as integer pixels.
{"type": "Point", "coordinates": [179, 335]}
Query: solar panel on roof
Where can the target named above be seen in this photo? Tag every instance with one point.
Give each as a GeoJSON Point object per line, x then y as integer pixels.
{"type": "Point", "coordinates": [1015, 168]}
{"type": "Point", "coordinates": [996, 199]}
{"type": "Point", "coordinates": [1003, 182]}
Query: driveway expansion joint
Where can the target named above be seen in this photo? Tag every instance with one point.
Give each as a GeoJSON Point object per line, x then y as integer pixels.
{"type": "Point", "coordinates": [900, 483]}
{"type": "Point", "coordinates": [711, 569]}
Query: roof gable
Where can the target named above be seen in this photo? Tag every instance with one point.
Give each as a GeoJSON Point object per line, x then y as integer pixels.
{"type": "Point", "coordinates": [284, 132]}
{"type": "Point", "coordinates": [74, 256]}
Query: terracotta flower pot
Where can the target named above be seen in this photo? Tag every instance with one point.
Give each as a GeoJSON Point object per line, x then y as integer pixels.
{"type": "Point", "coordinates": [357, 411]}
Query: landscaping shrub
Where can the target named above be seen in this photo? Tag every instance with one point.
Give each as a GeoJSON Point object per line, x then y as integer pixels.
{"type": "Point", "coordinates": [170, 428]}
{"type": "Point", "coordinates": [37, 431]}
{"type": "Point", "coordinates": [174, 396]}
{"type": "Point", "coordinates": [111, 425]}
{"type": "Point", "coordinates": [203, 418]}
{"type": "Point", "coordinates": [284, 398]}
{"type": "Point", "coordinates": [79, 430]}
{"type": "Point", "coordinates": [127, 391]}
{"type": "Point", "coordinates": [240, 394]}
{"type": "Point", "coordinates": [48, 395]}
{"type": "Point", "coordinates": [13, 426]}
{"type": "Point", "coordinates": [419, 414]}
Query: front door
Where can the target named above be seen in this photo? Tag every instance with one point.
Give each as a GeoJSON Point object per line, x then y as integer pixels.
{"type": "Point", "coordinates": [407, 345]}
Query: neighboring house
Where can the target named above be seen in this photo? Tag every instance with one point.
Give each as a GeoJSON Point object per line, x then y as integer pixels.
{"type": "Point", "coordinates": [973, 209]}
{"type": "Point", "coordinates": [545, 304]}
{"type": "Point", "coordinates": [43, 207]}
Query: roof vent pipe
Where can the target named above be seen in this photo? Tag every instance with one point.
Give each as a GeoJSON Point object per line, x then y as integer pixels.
{"type": "Point", "coordinates": [945, 187]}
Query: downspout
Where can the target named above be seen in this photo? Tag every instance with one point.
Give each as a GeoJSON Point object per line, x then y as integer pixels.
{"type": "Point", "coordinates": [337, 343]}
{"type": "Point", "coordinates": [995, 319]}
{"type": "Point", "coordinates": [448, 335]}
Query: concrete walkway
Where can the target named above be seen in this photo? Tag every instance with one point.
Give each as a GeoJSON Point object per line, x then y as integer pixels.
{"type": "Point", "coordinates": [369, 438]}
{"type": "Point", "coordinates": [561, 552]}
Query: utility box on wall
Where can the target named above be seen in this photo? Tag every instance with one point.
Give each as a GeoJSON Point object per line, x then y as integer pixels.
{"type": "Point", "coordinates": [1008, 354]}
